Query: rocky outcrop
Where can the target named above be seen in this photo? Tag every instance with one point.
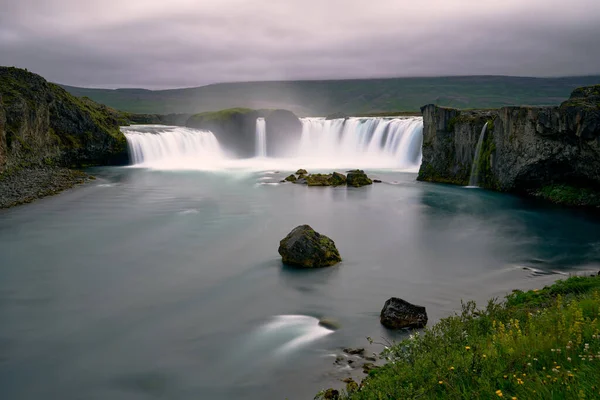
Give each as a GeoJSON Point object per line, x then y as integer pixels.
{"type": "Point", "coordinates": [358, 178]}
{"type": "Point", "coordinates": [525, 149]}
{"type": "Point", "coordinates": [283, 130]}
{"type": "Point", "coordinates": [235, 129]}
{"type": "Point", "coordinates": [43, 125]}
{"type": "Point", "coordinates": [399, 314]}
{"type": "Point", "coordinates": [303, 247]}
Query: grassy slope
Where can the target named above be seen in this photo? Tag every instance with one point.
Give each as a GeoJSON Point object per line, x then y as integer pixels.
{"type": "Point", "coordinates": [541, 344]}
{"type": "Point", "coordinates": [347, 96]}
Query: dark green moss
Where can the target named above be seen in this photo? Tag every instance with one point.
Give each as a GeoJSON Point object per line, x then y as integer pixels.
{"type": "Point", "coordinates": [569, 195]}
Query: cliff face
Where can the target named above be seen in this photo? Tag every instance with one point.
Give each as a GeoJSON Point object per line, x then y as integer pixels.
{"type": "Point", "coordinates": [524, 148]}
{"type": "Point", "coordinates": [41, 124]}
{"type": "Point", "coordinates": [236, 129]}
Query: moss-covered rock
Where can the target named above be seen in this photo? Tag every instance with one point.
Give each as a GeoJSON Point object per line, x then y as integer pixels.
{"type": "Point", "coordinates": [319, 179]}
{"type": "Point", "coordinates": [303, 247]}
{"type": "Point", "coordinates": [41, 124]}
{"type": "Point", "coordinates": [338, 179]}
{"type": "Point", "coordinates": [357, 178]}
{"type": "Point", "coordinates": [291, 178]}
{"type": "Point", "coordinates": [301, 172]}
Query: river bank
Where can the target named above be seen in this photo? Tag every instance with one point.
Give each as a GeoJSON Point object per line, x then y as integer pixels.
{"type": "Point", "coordinates": [26, 185]}
{"type": "Point", "coordinates": [537, 344]}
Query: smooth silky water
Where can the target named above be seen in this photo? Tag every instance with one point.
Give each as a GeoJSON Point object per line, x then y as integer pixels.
{"type": "Point", "coordinates": [159, 281]}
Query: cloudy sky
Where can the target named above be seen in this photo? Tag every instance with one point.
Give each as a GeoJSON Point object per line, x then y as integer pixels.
{"type": "Point", "coordinates": [179, 43]}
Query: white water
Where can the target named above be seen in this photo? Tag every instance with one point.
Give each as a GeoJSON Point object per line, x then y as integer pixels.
{"type": "Point", "coordinates": [261, 138]}
{"type": "Point", "coordinates": [169, 147]}
{"type": "Point", "coordinates": [474, 178]}
{"type": "Point", "coordinates": [368, 143]}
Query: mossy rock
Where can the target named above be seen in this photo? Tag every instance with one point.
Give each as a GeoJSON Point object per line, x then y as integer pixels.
{"type": "Point", "coordinates": [305, 248]}
{"type": "Point", "coordinates": [338, 179]}
{"type": "Point", "coordinates": [291, 178]}
{"type": "Point", "coordinates": [301, 172]}
{"type": "Point", "coordinates": [358, 178]}
{"type": "Point", "coordinates": [318, 180]}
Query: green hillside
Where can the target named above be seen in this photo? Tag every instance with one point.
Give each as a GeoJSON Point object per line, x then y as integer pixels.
{"type": "Point", "coordinates": [345, 96]}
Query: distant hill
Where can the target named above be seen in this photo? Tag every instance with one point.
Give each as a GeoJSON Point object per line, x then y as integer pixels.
{"type": "Point", "coordinates": [361, 96]}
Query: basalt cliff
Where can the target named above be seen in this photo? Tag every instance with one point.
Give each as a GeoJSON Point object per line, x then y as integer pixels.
{"type": "Point", "coordinates": [41, 124]}
{"type": "Point", "coordinates": [550, 152]}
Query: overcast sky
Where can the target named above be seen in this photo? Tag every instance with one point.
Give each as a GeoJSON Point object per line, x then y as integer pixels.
{"type": "Point", "coordinates": [180, 43]}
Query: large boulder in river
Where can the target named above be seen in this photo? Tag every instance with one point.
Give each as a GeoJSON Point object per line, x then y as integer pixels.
{"type": "Point", "coordinates": [303, 247]}
{"type": "Point", "coordinates": [358, 178]}
{"type": "Point", "coordinates": [398, 314]}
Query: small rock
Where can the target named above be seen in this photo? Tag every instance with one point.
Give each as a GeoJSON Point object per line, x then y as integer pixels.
{"type": "Point", "coordinates": [350, 362]}
{"type": "Point", "coordinates": [357, 351]}
{"type": "Point", "coordinates": [303, 247]}
{"type": "Point", "coordinates": [301, 172]}
{"type": "Point", "coordinates": [291, 178]}
{"type": "Point", "coordinates": [331, 394]}
{"type": "Point", "coordinates": [370, 358]}
{"type": "Point", "coordinates": [338, 179]}
{"type": "Point", "coordinates": [347, 380]}
{"type": "Point", "coordinates": [398, 314]}
{"type": "Point", "coordinates": [376, 180]}
{"type": "Point", "coordinates": [351, 386]}
{"type": "Point", "coordinates": [329, 324]}
{"type": "Point", "coordinates": [367, 367]}
{"type": "Point", "coordinates": [318, 180]}
{"type": "Point", "coordinates": [339, 360]}
{"type": "Point", "coordinates": [358, 178]}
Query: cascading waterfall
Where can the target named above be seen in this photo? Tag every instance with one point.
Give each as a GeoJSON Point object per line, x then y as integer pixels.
{"type": "Point", "coordinates": [169, 147]}
{"type": "Point", "coordinates": [474, 178]}
{"type": "Point", "coordinates": [367, 143]}
{"type": "Point", "coordinates": [261, 138]}
{"type": "Point", "coordinates": [376, 142]}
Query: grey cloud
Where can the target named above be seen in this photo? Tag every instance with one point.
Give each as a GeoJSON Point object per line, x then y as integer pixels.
{"type": "Point", "coordinates": [108, 44]}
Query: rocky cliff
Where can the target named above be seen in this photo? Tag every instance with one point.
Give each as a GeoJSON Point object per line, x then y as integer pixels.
{"type": "Point", "coordinates": [524, 149]}
{"type": "Point", "coordinates": [41, 124]}
{"type": "Point", "coordinates": [235, 129]}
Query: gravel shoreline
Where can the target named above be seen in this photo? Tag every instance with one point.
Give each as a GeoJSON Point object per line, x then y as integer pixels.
{"type": "Point", "coordinates": [27, 185]}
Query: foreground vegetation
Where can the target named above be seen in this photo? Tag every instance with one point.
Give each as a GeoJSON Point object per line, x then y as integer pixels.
{"type": "Point", "coordinates": [540, 344]}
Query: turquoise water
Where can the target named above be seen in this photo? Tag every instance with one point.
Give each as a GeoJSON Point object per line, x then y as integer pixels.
{"type": "Point", "coordinates": [154, 284]}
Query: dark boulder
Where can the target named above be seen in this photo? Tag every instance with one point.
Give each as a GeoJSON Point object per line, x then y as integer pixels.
{"type": "Point", "coordinates": [303, 247]}
{"type": "Point", "coordinates": [398, 314]}
{"type": "Point", "coordinates": [331, 394]}
{"type": "Point", "coordinates": [301, 172]}
{"type": "Point", "coordinates": [291, 178]}
{"type": "Point", "coordinates": [360, 351]}
{"type": "Point", "coordinates": [357, 178]}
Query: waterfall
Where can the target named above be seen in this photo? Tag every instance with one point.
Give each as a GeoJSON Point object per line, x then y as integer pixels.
{"type": "Point", "coordinates": [344, 143]}
{"type": "Point", "coordinates": [167, 147]}
{"type": "Point", "coordinates": [261, 138]}
{"type": "Point", "coordinates": [389, 142]}
{"type": "Point", "coordinates": [474, 178]}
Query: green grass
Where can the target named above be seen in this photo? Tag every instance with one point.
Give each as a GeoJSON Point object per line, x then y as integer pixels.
{"type": "Point", "coordinates": [542, 344]}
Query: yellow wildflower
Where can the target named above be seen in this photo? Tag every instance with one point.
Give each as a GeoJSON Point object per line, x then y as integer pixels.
{"type": "Point", "coordinates": [467, 348]}
{"type": "Point", "coordinates": [441, 382]}
{"type": "Point", "coordinates": [499, 393]}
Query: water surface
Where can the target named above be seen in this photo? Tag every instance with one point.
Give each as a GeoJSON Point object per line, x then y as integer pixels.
{"type": "Point", "coordinates": [167, 284]}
